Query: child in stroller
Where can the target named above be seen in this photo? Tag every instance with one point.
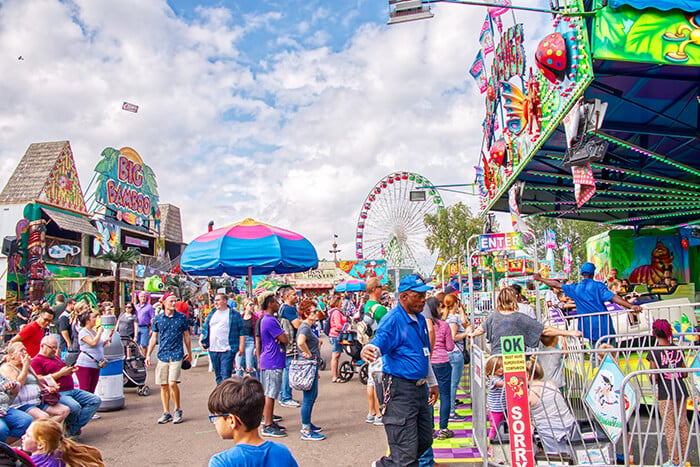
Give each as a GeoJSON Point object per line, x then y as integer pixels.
{"type": "Point", "coordinates": [135, 373]}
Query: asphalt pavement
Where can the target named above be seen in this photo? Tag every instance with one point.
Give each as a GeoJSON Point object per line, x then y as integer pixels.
{"type": "Point", "coordinates": [131, 436]}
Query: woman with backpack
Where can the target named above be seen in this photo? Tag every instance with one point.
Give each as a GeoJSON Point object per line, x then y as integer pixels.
{"type": "Point", "coordinates": [336, 322]}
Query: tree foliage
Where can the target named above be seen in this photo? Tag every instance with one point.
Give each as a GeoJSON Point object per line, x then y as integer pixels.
{"type": "Point", "coordinates": [119, 256]}
{"type": "Point", "coordinates": [577, 232]}
{"type": "Point", "coordinates": [450, 228]}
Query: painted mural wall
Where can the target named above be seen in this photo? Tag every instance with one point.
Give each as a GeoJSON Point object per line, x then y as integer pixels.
{"type": "Point", "coordinates": [641, 259]}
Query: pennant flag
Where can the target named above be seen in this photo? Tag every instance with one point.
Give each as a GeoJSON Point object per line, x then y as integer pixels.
{"type": "Point", "coordinates": [550, 239]}
{"type": "Point", "coordinates": [518, 223]}
{"type": "Point", "coordinates": [499, 23]}
{"type": "Point", "coordinates": [566, 255]}
{"type": "Point", "coordinates": [584, 183]}
{"type": "Point", "coordinates": [130, 107]}
{"type": "Point", "coordinates": [486, 37]}
{"type": "Point", "coordinates": [496, 11]}
{"type": "Point", "coordinates": [478, 73]}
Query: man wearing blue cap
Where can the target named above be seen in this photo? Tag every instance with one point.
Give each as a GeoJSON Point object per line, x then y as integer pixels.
{"type": "Point", "coordinates": [590, 297]}
{"type": "Point", "coordinates": [410, 387]}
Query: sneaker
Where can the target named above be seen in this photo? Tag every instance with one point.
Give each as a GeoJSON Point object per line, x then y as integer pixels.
{"type": "Point", "coordinates": [378, 421]}
{"type": "Point", "coordinates": [457, 418]}
{"type": "Point", "coordinates": [370, 418]}
{"type": "Point", "coordinates": [312, 436]}
{"type": "Point", "coordinates": [314, 428]}
{"type": "Point", "coordinates": [165, 418]}
{"type": "Point", "coordinates": [278, 426]}
{"type": "Point", "coordinates": [178, 416]}
{"type": "Point", "coordinates": [444, 434]}
{"type": "Point", "coordinates": [276, 418]}
{"type": "Point", "coordinates": [273, 432]}
{"type": "Point", "coordinates": [671, 464]}
{"type": "Point", "coordinates": [290, 403]}
{"type": "Point", "coordinates": [95, 417]}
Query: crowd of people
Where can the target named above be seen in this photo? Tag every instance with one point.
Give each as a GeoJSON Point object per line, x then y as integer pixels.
{"type": "Point", "coordinates": [417, 345]}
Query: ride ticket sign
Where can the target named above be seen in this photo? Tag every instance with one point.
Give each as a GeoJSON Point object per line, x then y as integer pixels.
{"type": "Point", "coordinates": [500, 242]}
{"type": "Point", "coordinates": [515, 377]}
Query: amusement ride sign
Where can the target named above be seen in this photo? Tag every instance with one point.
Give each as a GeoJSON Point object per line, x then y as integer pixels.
{"type": "Point", "coordinates": [126, 186]}
{"type": "Point", "coordinates": [500, 242]}
{"type": "Point", "coordinates": [515, 376]}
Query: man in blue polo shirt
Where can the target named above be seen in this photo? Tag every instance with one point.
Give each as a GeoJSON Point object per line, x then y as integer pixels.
{"type": "Point", "coordinates": [590, 296]}
{"type": "Point", "coordinates": [403, 342]}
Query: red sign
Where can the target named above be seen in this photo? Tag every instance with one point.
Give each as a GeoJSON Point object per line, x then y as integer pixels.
{"type": "Point", "coordinates": [519, 427]}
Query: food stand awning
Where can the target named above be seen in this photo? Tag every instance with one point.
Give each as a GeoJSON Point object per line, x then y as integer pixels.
{"type": "Point", "coordinates": [647, 70]}
{"type": "Point", "coordinates": [70, 222]}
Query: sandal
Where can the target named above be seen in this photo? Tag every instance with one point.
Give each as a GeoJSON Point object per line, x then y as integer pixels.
{"type": "Point", "coordinates": [336, 380]}
{"type": "Point", "coordinates": [444, 434]}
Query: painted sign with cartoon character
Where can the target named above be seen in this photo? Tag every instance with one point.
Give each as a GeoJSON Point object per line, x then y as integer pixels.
{"type": "Point", "coordinates": [515, 376]}
{"type": "Point", "coordinates": [604, 398]}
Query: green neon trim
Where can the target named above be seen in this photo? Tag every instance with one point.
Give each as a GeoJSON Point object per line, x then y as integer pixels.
{"type": "Point", "coordinates": [615, 183]}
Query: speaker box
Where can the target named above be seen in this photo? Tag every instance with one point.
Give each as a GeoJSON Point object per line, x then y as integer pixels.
{"type": "Point", "coordinates": [9, 245]}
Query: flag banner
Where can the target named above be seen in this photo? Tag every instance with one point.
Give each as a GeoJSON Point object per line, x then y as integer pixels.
{"type": "Point", "coordinates": [566, 255]}
{"type": "Point", "coordinates": [518, 223]}
{"type": "Point", "coordinates": [486, 37]}
{"type": "Point", "coordinates": [584, 183]}
{"type": "Point", "coordinates": [496, 11]}
{"type": "Point", "coordinates": [479, 73]}
{"type": "Point", "coordinates": [550, 239]}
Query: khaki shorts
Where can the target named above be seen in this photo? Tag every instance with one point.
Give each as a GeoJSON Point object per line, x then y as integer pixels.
{"type": "Point", "coordinates": [168, 372]}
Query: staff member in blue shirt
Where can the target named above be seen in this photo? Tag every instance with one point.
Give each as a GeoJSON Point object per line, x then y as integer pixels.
{"type": "Point", "coordinates": [403, 342]}
{"type": "Point", "coordinates": [590, 296]}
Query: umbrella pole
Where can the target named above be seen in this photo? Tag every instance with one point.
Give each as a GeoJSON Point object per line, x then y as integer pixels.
{"type": "Point", "coordinates": [250, 282]}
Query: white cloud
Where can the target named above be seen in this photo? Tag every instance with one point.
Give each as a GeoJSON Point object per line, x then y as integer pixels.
{"type": "Point", "coordinates": [392, 99]}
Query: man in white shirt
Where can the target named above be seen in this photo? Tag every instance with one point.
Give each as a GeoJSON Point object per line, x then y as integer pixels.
{"type": "Point", "coordinates": [223, 335]}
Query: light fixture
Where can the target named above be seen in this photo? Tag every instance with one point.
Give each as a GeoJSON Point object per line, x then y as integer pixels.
{"type": "Point", "coordinates": [408, 10]}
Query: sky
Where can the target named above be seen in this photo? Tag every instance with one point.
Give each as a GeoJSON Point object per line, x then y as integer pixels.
{"type": "Point", "coordinates": [284, 111]}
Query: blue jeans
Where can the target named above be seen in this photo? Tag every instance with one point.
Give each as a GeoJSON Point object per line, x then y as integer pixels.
{"type": "Point", "coordinates": [248, 360]}
{"type": "Point", "coordinates": [222, 362]}
{"type": "Point", "coordinates": [457, 364]}
{"type": "Point", "coordinates": [286, 389]}
{"type": "Point", "coordinates": [443, 374]}
{"type": "Point", "coordinates": [14, 424]}
{"type": "Point", "coordinates": [307, 404]}
{"type": "Point", "coordinates": [82, 405]}
{"type": "Point", "coordinates": [427, 459]}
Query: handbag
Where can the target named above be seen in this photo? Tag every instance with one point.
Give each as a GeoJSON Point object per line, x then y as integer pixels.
{"type": "Point", "coordinates": [302, 374]}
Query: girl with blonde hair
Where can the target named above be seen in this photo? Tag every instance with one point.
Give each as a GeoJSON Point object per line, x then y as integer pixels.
{"type": "Point", "coordinates": [48, 447]}
{"type": "Point", "coordinates": [506, 321]}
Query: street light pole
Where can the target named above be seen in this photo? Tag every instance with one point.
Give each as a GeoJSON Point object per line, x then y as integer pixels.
{"type": "Point", "coordinates": [335, 249]}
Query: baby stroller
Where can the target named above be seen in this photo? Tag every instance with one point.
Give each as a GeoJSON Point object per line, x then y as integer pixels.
{"type": "Point", "coordinates": [135, 373]}
{"type": "Point", "coordinates": [352, 347]}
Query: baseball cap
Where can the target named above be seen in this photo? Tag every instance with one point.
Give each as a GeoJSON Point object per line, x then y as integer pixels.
{"type": "Point", "coordinates": [413, 282]}
{"type": "Point", "coordinates": [587, 269]}
{"type": "Point", "coordinates": [166, 296]}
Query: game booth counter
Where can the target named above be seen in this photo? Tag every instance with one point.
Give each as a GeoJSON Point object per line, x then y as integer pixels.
{"type": "Point", "coordinates": [53, 240]}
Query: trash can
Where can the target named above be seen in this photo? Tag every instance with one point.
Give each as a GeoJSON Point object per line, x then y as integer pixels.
{"type": "Point", "coordinates": [110, 386]}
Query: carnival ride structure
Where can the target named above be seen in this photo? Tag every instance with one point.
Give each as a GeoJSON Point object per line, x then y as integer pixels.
{"type": "Point", "coordinates": [391, 223]}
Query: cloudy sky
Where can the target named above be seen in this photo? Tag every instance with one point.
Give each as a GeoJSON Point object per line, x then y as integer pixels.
{"type": "Point", "coordinates": [285, 111]}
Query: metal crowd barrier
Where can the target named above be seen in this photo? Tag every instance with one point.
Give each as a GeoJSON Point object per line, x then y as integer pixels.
{"type": "Point", "coordinates": [640, 436]}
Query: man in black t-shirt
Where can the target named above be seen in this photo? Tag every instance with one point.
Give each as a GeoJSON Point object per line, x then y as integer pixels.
{"type": "Point", "coordinates": [65, 329]}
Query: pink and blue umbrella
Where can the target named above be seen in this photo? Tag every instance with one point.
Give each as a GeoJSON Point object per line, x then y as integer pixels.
{"type": "Point", "coordinates": [248, 247]}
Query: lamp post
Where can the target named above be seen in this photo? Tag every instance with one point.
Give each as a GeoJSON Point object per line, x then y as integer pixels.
{"type": "Point", "coordinates": [335, 249]}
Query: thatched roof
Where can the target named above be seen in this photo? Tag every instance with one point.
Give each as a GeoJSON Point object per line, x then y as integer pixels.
{"type": "Point", "coordinates": [46, 174]}
{"type": "Point", "coordinates": [170, 223]}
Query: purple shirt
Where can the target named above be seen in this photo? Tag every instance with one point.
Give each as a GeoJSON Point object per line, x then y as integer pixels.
{"type": "Point", "coordinates": [272, 357]}
{"type": "Point", "coordinates": [144, 313]}
{"type": "Point", "coordinates": [47, 460]}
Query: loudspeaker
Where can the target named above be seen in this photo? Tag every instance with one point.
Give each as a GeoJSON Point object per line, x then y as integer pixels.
{"type": "Point", "coordinates": [9, 245]}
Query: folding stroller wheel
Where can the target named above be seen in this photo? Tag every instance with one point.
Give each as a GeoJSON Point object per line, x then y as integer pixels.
{"type": "Point", "coordinates": [346, 371]}
{"type": "Point", "coordinates": [364, 373]}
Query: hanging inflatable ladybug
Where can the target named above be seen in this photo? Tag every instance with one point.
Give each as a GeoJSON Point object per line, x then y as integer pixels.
{"type": "Point", "coordinates": [552, 57]}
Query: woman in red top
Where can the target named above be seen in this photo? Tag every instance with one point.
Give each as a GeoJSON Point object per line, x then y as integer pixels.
{"type": "Point", "coordinates": [337, 322]}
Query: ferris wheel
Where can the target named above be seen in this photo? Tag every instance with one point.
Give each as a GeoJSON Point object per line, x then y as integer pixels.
{"type": "Point", "coordinates": [391, 223]}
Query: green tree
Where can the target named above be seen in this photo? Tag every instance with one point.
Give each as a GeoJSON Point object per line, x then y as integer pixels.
{"type": "Point", "coordinates": [577, 232]}
{"type": "Point", "coordinates": [120, 256]}
{"type": "Point", "coordinates": [450, 228]}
